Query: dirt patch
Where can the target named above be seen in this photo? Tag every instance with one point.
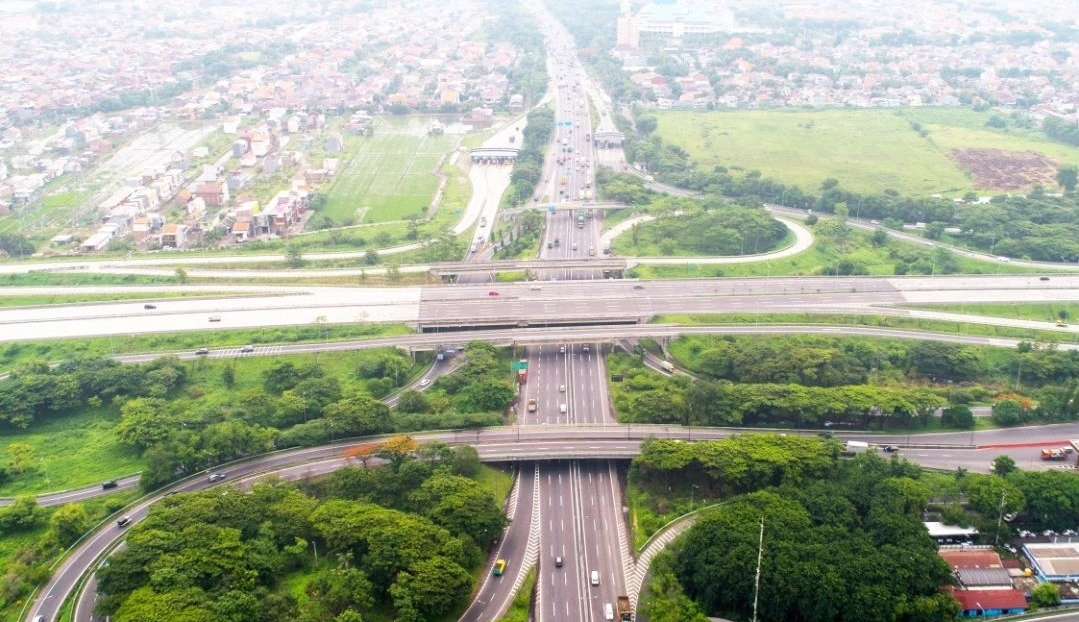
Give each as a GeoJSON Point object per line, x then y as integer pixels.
{"type": "Point", "coordinates": [997, 169]}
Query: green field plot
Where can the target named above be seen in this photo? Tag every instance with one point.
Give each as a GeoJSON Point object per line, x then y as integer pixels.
{"type": "Point", "coordinates": [388, 176]}
{"type": "Point", "coordinates": [912, 151]}
{"type": "Point", "coordinates": [1038, 312]}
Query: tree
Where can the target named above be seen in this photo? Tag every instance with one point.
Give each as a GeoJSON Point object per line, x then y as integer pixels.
{"type": "Point", "coordinates": [412, 402]}
{"type": "Point", "coordinates": [398, 449]}
{"type": "Point", "coordinates": [456, 503]}
{"type": "Point", "coordinates": [144, 422]}
{"type": "Point", "coordinates": [332, 592]}
{"type": "Point", "coordinates": [21, 458]}
{"type": "Point", "coordinates": [294, 256]}
{"type": "Point", "coordinates": [1068, 177]}
{"type": "Point", "coordinates": [228, 376]}
{"type": "Point", "coordinates": [181, 275]}
{"type": "Point", "coordinates": [1045, 595]}
{"type": "Point", "coordinates": [959, 416]}
{"type": "Point", "coordinates": [1003, 465]}
{"type": "Point", "coordinates": [879, 237]}
{"type": "Point", "coordinates": [646, 124]}
{"type": "Point", "coordinates": [69, 522]}
{"type": "Point", "coordinates": [393, 273]}
{"type": "Point", "coordinates": [430, 589]}
{"type": "Point", "coordinates": [1008, 413]}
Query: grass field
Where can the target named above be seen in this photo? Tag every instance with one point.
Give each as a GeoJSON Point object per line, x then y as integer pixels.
{"type": "Point", "coordinates": [66, 299]}
{"type": "Point", "coordinates": [651, 244]}
{"type": "Point", "coordinates": [387, 176]}
{"type": "Point", "coordinates": [1040, 312]}
{"type": "Point", "coordinates": [866, 150]}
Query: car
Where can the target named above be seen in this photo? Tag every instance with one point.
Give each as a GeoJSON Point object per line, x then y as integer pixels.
{"type": "Point", "coordinates": [561, 388]}
{"type": "Point", "coordinates": [550, 245]}
{"type": "Point", "coordinates": [1004, 259]}
{"type": "Point", "coordinates": [1061, 324]}
{"type": "Point", "coordinates": [608, 612]}
{"type": "Point", "coordinates": [574, 246]}
{"type": "Point", "coordinates": [109, 484]}
{"type": "Point", "coordinates": [202, 351]}
{"type": "Point", "coordinates": [561, 349]}
{"type": "Point", "coordinates": [499, 568]}
{"type": "Point", "coordinates": [585, 348]}
{"type": "Point", "coordinates": [149, 306]}
{"type": "Point", "coordinates": [215, 318]}
{"type": "Point", "coordinates": [425, 382]}
{"type": "Point", "coordinates": [39, 618]}
{"type": "Point", "coordinates": [638, 287]}
{"type": "Point", "coordinates": [123, 521]}
{"type": "Point", "coordinates": [492, 293]}
{"type": "Point", "coordinates": [594, 577]}
{"type": "Point", "coordinates": [890, 449]}
{"type": "Point", "coordinates": [562, 408]}
{"type": "Point", "coordinates": [591, 252]}
{"type": "Point", "coordinates": [535, 288]}
{"type": "Point", "coordinates": [247, 349]}
{"type": "Point", "coordinates": [558, 561]}
{"type": "Point", "coordinates": [217, 477]}
{"type": "Point", "coordinates": [1043, 278]}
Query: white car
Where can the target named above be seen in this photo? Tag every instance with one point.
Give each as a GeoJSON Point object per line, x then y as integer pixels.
{"type": "Point", "coordinates": [562, 408]}
{"type": "Point", "coordinates": [594, 577]}
{"type": "Point", "coordinates": [561, 388]}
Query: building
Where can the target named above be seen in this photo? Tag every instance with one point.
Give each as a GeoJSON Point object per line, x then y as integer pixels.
{"type": "Point", "coordinates": [990, 603]}
{"type": "Point", "coordinates": [1057, 562]}
{"type": "Point", "coordinates": [213, 193]}
{"type": "Point", "coordinates": [174, 235]}
{"type": "Point", "coordinates": [673, 23]}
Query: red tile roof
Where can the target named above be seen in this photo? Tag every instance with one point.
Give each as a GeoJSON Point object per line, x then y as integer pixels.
{"type": "Point", "coordinates": [972, 600]}
{"type": "Point", "coordinates": [971, 559]}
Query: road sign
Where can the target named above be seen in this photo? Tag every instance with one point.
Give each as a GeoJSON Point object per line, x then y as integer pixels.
{"type": "Point", "coordinates": [521, 365]}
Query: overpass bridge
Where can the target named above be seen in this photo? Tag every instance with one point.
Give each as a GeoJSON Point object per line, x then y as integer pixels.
{"type": "Point", "coordinates": [449, 271]}
{"type": "Point", "coordinates": [495, 155]}
{"type": "Point", "coordinates": [568, 206]}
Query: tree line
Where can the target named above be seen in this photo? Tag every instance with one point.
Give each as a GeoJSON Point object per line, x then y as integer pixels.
{"type": "Point", "coordinates": [401, 537]}
{"type": "Point", "coordinates": [528, 169]}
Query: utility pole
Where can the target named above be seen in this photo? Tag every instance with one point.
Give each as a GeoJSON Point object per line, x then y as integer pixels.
{"type": "Point", "coordinates": [1000, 517]}
{"type": "Point", "coordinates": [757, 581]}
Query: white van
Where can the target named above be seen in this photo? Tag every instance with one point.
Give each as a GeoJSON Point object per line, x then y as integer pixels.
{"type": "Point", "coordinates": [562, 408]}
{"type": "Point", "coordinates": [595, 577]}
{"type": "Point", "coordinates": [608, 611]}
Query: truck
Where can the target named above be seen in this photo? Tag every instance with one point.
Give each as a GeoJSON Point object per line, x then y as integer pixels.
{"type": "Point", "coordinates": [580, 221]}
{"type": "Point", "coordinates": [851, 448]}
{"type": "Point", "coordinates": [667, 366]}
{"type": "Point", "coordinates": [625, 610]}
{"type": "Point", "coordinates": [1056, 453]}
{"type": "Point", "coordinates": [522, 376]}
{"type": "Point", "coordinates": [531, 404]}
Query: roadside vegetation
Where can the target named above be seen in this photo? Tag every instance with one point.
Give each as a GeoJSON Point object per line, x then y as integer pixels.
{"type": "Point", "coordinates": [823, 517]}
{"type": "Point", "coordinates": [33, 537]}
{"type": "Point", "coordinates": [710, 228]}
{"type": "Point", "coordinates": [89, 420]}
{"type": "Point", "coordinates": [848, 383]}
{"type": "Point", "coordinates": [33, 300]}
{"type": "Point", "coordinates": [399, 541]}
{"type": "Point", "coordinates": [1038, 312]}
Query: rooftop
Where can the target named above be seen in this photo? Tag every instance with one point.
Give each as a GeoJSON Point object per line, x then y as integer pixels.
{"type": "Point", "coordinates": [990, 599]}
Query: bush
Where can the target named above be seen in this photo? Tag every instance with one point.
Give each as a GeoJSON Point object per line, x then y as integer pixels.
{"type": "Point", "coordinates": [957, 417]}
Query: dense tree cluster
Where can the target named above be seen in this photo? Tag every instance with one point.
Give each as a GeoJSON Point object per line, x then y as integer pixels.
{"type": "Point", "coordinates": [35, 391]}
{"type": "Point", "coordinates": [843, 538]}
{"type": "Point", "coordinates": [529, 167]}
{"type": "Point", "coordinates": [482, 385]}
{"type": "Point", "coordinates": [221, 555]}
{"type": "Point", "coordinates": [716, 230]}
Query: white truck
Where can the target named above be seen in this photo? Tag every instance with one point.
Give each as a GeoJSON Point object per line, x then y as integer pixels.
{"type": "Point", "coordinates": [852, 448]}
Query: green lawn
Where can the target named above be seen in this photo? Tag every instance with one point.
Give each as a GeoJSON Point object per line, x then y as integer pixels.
{"type": "Point", "coordinates": [71, 452]}
{"type": "Point", "coordinates": [496, 481]}
{"type": "Point", "coordinates": [387, 176]}
{"type": "Point", "coordinates": [66, 299]}
{"type": "Point", "coordinates": [1041, 312]}
{"type": "Point", "coordinates": [521, 608]}
{"type": "Point", "coordinates": [866, 150]}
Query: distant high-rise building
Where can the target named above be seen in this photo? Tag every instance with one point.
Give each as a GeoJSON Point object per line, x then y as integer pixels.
{"type": "Point", "coordinates": [667, 23]}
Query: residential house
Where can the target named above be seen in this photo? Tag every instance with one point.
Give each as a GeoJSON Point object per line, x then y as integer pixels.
{"type": "Point", "coordinates": [214, 193]}
{"type": "Point", "coordinates": [174, 235]}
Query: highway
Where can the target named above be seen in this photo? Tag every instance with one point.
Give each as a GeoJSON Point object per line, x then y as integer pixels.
{"type": "Point", "coordinates": [542, 303]}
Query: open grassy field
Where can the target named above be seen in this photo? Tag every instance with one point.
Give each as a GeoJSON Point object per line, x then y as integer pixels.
{"type": "Point", "coordinates": [387, 176]}
{"type": "Point", "coordinates": [67, 299]}
{"type": "Point", "coordinates": [866, 150]}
